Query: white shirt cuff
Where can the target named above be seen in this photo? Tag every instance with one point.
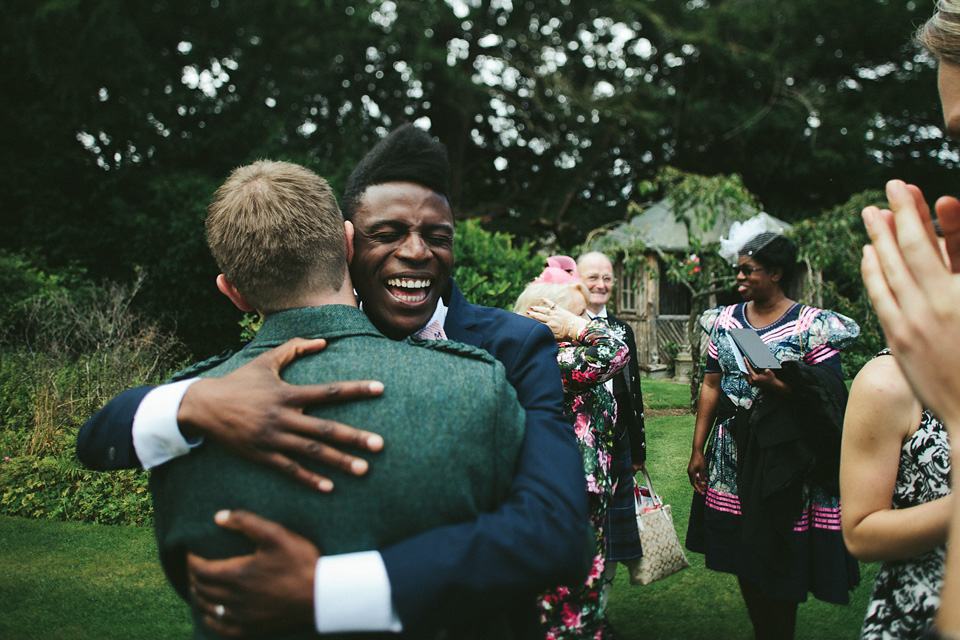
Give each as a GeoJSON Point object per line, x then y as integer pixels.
{"type": "Point", "coordinates": [156, 434]}
{"type": "Point", "coordinates": [352, 593]}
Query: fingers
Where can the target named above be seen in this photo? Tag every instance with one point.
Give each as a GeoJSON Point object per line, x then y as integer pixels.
{"type": "Point", "coordinates": [263, 532]}
{"type": "Point", "coordinates": [550, 303]}
{"type": "Point", "coordinates": [915, 239]}
{"type": "Point", "coordinates": [298, 397]}
{"type": "Point", "coordinates": [270, 589]}
{"type": "Point", "coordinates": [331, 392]}
{"type": "Point", "coordinates": [889, 264]}
{"type": "Point", "coordinates": [290, 468]}
{"type": "Point", "coordinates": [279, 357]}
{"type": "Point", "coordinates": [918, 200]}
{"type": "Point", "coordinates": [884, 302]}
{"type": "Point", "coordinates": [697, 481]}
{"type": "Point", "coordinates": [539, 314]}
{"type": "Point", "coordinates": [218, 602]}
{"type": "Point", "coordinates": [223, 627]}
{"type": "Point", "coordinates": [308, 448]}
{"type": "Point", "coordinates": [211, 581]}
{"type": "Point", "coordinates": [330, 430]}
{"type": "Point", "coordinates": [948, 214]}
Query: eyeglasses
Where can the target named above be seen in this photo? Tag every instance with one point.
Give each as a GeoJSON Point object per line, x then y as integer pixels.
{"type": "Point", "coordinates": [745, 269]}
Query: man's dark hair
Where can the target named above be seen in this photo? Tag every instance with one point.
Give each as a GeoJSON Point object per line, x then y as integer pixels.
{"type": "Point", "coordinates": [408, 154]}
{"type": "Point", "coordinates": [772, 250]}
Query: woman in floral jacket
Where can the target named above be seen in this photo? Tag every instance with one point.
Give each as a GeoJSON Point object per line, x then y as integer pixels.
{"type": "Point", "coordinates": [590, 353]}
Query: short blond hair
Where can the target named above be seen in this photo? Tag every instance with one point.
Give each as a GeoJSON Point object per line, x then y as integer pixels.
{"type": "Point", "coordinates": [559, 292]}
{"type": "Point", "coordinates": [276, 232]}
{"type": "Point", "coordinates": [940, 35]}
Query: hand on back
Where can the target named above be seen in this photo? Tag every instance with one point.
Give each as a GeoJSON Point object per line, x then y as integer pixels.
{"type": "Point", "coordinates": [258, 416]}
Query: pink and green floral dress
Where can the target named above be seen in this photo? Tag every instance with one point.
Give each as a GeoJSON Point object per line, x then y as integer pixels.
{"type": "Point", "coordinates": [576, 611]}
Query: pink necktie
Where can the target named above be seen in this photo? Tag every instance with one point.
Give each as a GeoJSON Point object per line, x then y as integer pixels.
{"type": "Point", "coordinates": [433, 331]}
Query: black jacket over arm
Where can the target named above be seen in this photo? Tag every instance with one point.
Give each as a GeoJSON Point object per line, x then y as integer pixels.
{"type": "Point", "coordinates": [784, 443]}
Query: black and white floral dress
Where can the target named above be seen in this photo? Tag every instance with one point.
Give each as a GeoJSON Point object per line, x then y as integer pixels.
{"type": "Point", "coordinates": [907, 592]}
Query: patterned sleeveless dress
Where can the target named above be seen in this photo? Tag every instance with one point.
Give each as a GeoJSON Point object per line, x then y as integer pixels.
{"type": "Point", "coordinates": [821, 563]}
{"type": "Point", "coordinates": [906, 594]}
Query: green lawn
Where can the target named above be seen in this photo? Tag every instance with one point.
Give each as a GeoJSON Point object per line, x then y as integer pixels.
{"type": "Point", "coordinates": [697, 603]}
{"type": "Point", "coordinates": [69, 580]}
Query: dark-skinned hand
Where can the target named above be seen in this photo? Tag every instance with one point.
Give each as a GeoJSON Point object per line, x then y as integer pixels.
{"type": "Point", "coordinates": [697, 471]}
{"type": "Point", "coordinates": [270, 590]}
{"type": "Point", "coordinates": [765, 379]}
{"type": "Point", "coordinates": [255, 414]}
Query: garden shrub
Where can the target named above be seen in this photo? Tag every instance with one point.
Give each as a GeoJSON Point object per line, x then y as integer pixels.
{"type": "Point", "coordinates": [66, 353]}
{"type": "Point", "coordinates": [833, 243]}
{"type": "Point", "coordinates": [489, 270]}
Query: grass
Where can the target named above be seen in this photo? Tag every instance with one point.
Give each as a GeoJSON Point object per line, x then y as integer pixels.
{"type": "Point", "coordinates": [71, 580]}
{"type": "Point", "coordinates": [68, 580]}
{"type": "Point", "coordinates": [697, 603]}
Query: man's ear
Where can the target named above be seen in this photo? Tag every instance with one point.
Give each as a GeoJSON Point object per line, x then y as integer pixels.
{"type": "Point", "coordinates": [227, 289]}
{"type": "Point", "coordinates": [348, 232]}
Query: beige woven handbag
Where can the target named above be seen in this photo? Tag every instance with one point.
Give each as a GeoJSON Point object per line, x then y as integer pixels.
{"type": "Point", "coordinates": [662, 554]}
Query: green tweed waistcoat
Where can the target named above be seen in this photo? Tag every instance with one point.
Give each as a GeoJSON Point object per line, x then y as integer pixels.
{"type": "Point", "coordinates": [452, 428]}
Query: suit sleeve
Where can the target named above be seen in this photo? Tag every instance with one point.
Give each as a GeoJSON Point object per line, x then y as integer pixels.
{"type": "Point", "coordinates": [105, 441]}
{"type": "Point", "coordinates": [539, 537]}
{"type": "Point", "coordinates": [638, 434]}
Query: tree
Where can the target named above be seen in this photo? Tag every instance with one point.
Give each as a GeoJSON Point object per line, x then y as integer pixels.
{"type": "Point", "coordinates": [121, 118]}
{"type": "Point", "coordinates": [832, 244]}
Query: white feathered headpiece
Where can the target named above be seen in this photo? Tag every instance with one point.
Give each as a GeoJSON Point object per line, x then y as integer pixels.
{"type": "Point", "coordinates": [743, 232]}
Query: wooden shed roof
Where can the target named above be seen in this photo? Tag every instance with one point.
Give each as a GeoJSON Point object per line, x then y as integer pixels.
{"type": "Point", "coordinates": [657, 226]}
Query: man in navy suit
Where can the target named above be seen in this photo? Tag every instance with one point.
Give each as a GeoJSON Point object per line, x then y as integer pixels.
{"type": "Point", "coordinates": [396, 199]}
{"type": "Point", "coordinates": [629, 447]}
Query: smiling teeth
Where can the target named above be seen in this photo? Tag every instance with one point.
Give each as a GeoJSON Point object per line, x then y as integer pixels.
{"type": "Point", "coordinates": [408, 284]}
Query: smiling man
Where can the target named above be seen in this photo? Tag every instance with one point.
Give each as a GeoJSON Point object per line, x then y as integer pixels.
{"type": "Point", "coordinates": [403, 257]}
{"type": "Point", "coordinates": [404, 231]}
{"type": "Point", "coordinates": [630, 445]}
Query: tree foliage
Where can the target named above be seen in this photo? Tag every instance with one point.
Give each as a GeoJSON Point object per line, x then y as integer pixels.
{"type": "Point", "coordinates": [489, 270]}
{"type": "Point", "coordinates": [65, 349]}
{"type": "Point", "coordinates": [121, 118]}
{"type": "Point", "coordinates": [832, 244]}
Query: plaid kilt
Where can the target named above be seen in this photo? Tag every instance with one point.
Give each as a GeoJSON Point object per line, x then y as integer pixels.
{"type": "Point", "coordinates": [623, 539]}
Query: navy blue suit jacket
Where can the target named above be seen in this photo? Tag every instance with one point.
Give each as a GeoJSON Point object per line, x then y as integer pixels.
{"type": "Point", "coordinates": [538, 538]}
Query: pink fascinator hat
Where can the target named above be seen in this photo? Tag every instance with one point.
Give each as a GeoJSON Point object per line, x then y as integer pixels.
{"type": "Point", "coordinates": [565, 263]}
{"type": "Point", "coordinates": [557, 275]}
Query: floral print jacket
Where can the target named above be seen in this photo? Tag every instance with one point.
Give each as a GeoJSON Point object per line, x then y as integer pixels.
{"type": "Point", "coordinates": [573, 612]}
{"type": "Point", "coordinates": [589, 406]}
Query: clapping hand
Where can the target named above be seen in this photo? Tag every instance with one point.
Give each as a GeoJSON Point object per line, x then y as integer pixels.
{"type": "Point", "coordinates": [916, 294]}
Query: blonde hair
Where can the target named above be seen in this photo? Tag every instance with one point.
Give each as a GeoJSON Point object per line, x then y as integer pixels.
{"type": "Point", "coordinates": [276, 232]}
{"type": "Point", "coordinates": [559, 292]}
{"type": "Point", "coordinates": [940, 35]}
